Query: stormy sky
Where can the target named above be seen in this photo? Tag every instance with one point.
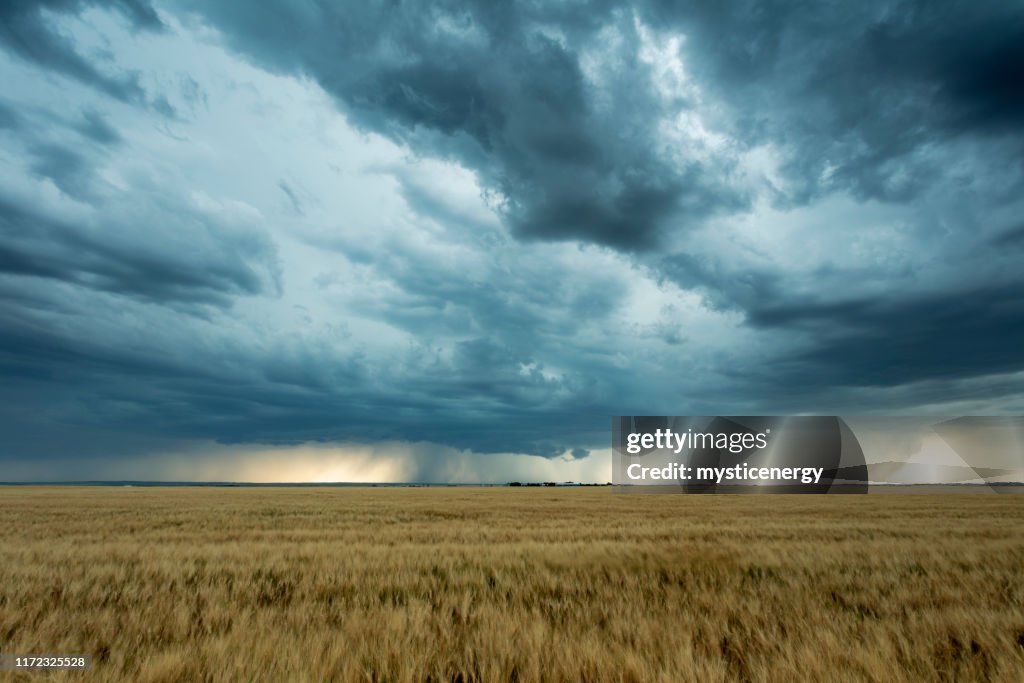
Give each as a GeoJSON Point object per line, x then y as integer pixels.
{"type": "Point", "coordinates": [448, 241]}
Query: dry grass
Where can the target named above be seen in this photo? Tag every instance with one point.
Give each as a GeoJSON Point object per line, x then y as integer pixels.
{"type": "Point", "coordinates": [512, 584]}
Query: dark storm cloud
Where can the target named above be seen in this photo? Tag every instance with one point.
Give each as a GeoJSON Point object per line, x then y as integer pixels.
{"type": "Point", "coordinates": [288, 390]}
{"type": "Point", "coordinates": [68, 169]}
{"type": "Point", "coordinates": [500, 86]}
{"type": "Point", "coordinates": [862, 88]}
{"type": "Point", "coordinates": [860, 91]}
{"type": "Point", "coordinates": [27, 30]}
{"type": "Point", "coordinates": [877, 99]}
{"type": "Point", "coordinates": [242, 394]}
{"type": "Point", "coordinates": [95, 127]}
{"type": "Point", "coordinates": [971, 327]}
{"type": "Point", "coordinates": [37, 126]}
{"type": "Point", "coordinates": [1012, 238]}
{"type": "Point", "coordinates": [887, 101]}
{"type": "Point", "coordinates": [115, 258]}
{"type": "Point", "coordinates": [885, 342]}
{"type": "Point", "coordinates": [913, 106]}
{"type": "Point", "coordinates": [9, 117]}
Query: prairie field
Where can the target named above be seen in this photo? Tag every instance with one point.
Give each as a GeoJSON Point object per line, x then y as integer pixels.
{"type": "Point", "coordinates": [511, 584]}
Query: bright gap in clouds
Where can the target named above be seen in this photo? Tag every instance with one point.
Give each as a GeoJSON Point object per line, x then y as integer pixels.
{"type": "Point", "coordinates": [383, 462]}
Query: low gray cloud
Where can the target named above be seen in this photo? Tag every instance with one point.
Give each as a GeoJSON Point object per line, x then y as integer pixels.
{"type": "Point", "coordinates": [27, 31]}
{"type": "Point", "coordinates": [110, 255]}
{"type": "Point", "coordinates": [95, 127]}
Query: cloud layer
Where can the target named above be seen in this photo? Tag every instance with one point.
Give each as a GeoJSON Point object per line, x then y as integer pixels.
{"type": "Point", "coordinates": [490, 227]}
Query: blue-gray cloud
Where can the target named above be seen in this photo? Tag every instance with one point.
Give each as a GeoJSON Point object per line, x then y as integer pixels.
{"type": "Point", "coordinates": [502, 88]}
{"type": "Point", "coordinates": [887, 101]}
{"type": "Point", "coordinates": [26, 30]}
{"type": "Point", "coordinates": [696, 208]}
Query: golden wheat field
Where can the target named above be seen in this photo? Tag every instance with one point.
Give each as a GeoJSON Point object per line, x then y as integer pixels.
{"type": "Point", "coordinates": [507, 584]}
